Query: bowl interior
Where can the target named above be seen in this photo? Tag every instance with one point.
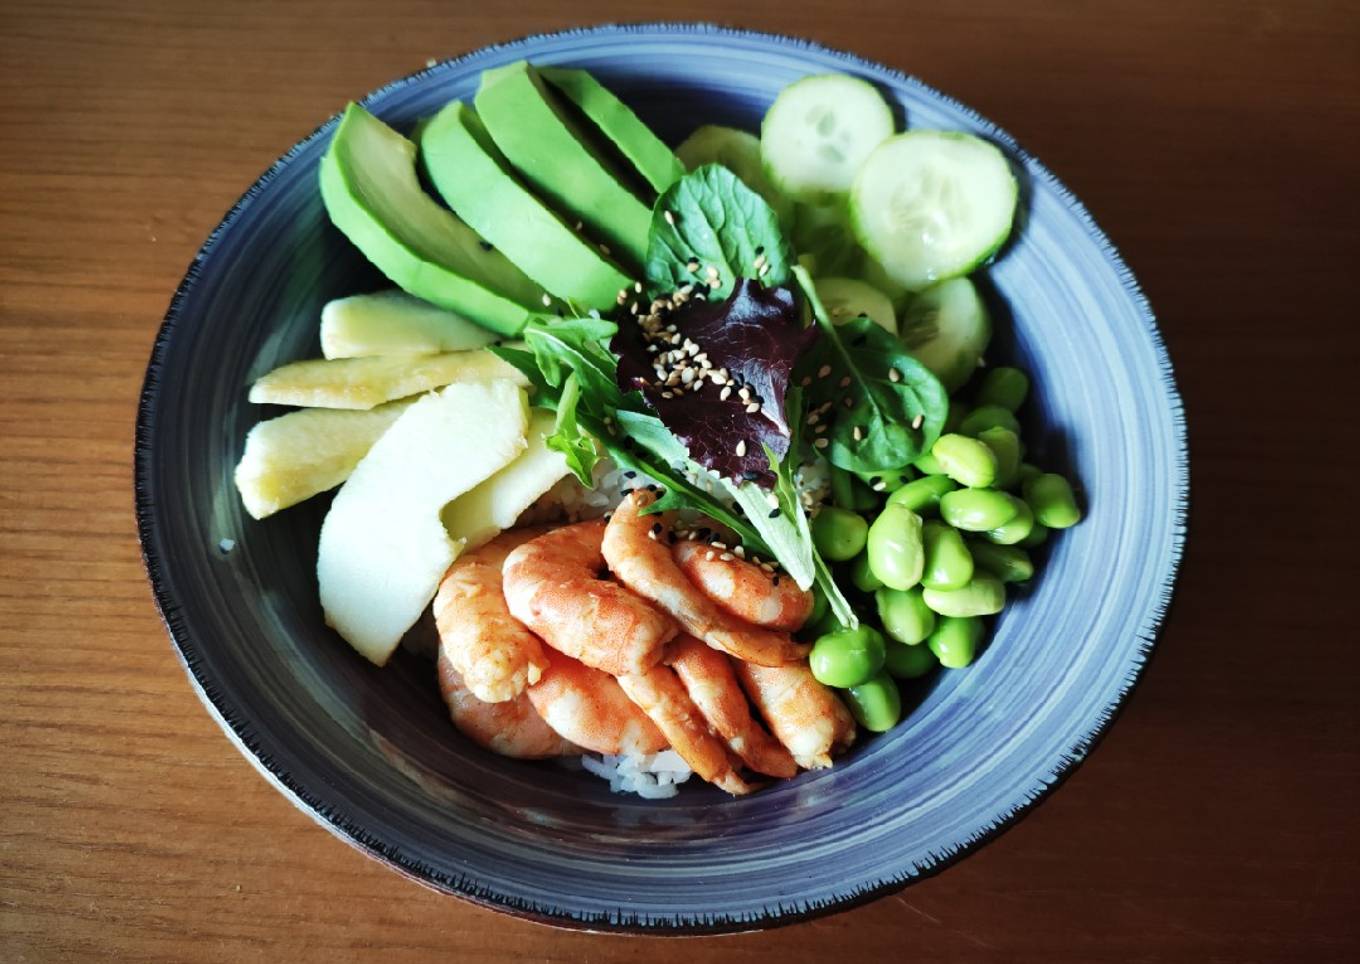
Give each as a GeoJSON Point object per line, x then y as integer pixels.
{"type": "Point", "coordinates": [371, 753]}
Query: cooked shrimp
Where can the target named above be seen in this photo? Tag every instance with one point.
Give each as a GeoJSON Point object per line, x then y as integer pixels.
{"type": "Point", "coordinates": [552, 585]}
{"type": "Point", "coordinates": [511, 727]}
{"type": "Point", "coordinates": [639, 555]}
{"type": "Point", "coordinates": [588, 707]}
{"type": "Point", "coordinates": [662, 697]}
{"type": "Point", "coordinates": [712, 685]}
{"type": "Point", "coordinates": [742, 588]}
{"type": "Point", "coordinates": [490, 649]}
{"type": "Point", "coordinates": [805, 715]}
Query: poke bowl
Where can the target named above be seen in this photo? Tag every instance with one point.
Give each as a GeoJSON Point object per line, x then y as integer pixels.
{"type": "Point", "coordinates": [369, 752]}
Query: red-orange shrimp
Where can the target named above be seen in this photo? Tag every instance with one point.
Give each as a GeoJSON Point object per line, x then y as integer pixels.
{"type": "Point", "coordinates": [742, 588]}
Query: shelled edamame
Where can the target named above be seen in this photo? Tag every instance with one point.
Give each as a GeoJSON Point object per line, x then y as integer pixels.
{"type": "Point", "coordinates": [944, 542]}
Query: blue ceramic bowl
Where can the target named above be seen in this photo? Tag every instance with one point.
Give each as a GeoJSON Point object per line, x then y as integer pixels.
{"type": "Point", "coordinates": [371, 754]}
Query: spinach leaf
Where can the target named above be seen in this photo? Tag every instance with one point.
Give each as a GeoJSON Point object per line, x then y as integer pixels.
{"type": "Point", "coordinates": [892, 419]}
{"type": "Point", "coordinates": [714, 220]}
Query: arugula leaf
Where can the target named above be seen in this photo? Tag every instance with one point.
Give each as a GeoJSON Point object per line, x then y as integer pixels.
{"type": "Point", "coordinates": [718, 221]}
{"type": "Point", "coordinates": [578, 446]}
{"type": "Point", "coordinates": [884, 408]}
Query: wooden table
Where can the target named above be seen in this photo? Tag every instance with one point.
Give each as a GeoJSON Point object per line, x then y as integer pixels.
{"type": "Point", "coordinates": [1217, 144]}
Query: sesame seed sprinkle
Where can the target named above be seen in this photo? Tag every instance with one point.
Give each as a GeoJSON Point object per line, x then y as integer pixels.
{"type": "Point", "coordinates": [670, 218]}
{"type": "Point", "coordinates": [824, 371]}
{"type": "Point", "coordinates": [857, 433]}
{"type": "Point", "coordinates": [547, 300]}
{"type": "Point", "coordinates": [807, 380]}
{"type": "Point", "coordinates": [741, 448]}
{"type": "Point", "coordinates": [894, 375]}
{"type": "Point", "coordinates": [637, 286]}
{"type": "Point", "coordinates": [752, 408]}
{"type": "Point", "coordinates": [726, 557]}
{"type": "Point", "coordinates": [821, 443]}
{"type": "Point", "coordinates": [916, 422]}
{"type": "Point", "coordinates": [845, 382]}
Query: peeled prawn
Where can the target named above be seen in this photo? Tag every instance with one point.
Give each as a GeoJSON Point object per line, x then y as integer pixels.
{"type": "Point", "coordinates": [639, 555]}
{"type": "Point", "coordinates": [552, 585]}
{"type": "Point", "coordinates": [511, 727]}
{"type": "Point", "coordinates": [743, 589]}
{"type": "Point", "coordinates": [588, 707]}
{"type": "Point", "coordinates": [805, 715]}
{"type": "Point", "coordinates": [663, 698]}
{"type": "Point", "coordinates": [490, 649]}
{"type": "Point", "coordinates": [712, 685]}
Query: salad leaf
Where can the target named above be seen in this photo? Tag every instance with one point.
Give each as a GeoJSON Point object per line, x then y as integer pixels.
{"type": "Point", "coordinates": [714, 220]}
{"type": "Point", "coordinates": [892, 419]}
{"type": "Point", "coordinates": [563, 346]}
{"type": "Point", "coordinates": [756, 336]}
{"type": "Point", "coordinates": [577, 446]}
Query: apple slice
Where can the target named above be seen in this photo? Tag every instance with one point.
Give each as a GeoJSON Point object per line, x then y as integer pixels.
{"type": "Point", "coordinates": [383, 549]}
{"type": "Point", "coordinates": [395, 323]}
{"type": "Point", "coordinates": [295, 456]}
{"type": "Point", "coordinates": [479, 516]}
{"type": "Point", "coordinates": [366, 382]}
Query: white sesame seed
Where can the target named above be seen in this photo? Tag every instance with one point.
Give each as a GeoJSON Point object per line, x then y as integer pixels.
{"type": "Point", "coordinates": [604, 250]}
{"type": "Point", "coordinates": [848, 402]}
{"type": "Point", "coordinates": [667, 394]}
{"type": "Point", "coordinates": [813, 418]}
{"type": "Point", "coordinates": [894, 375]}
{"type": "Point", "coordinates": [637, 286]}
{"type": "Point", "coordinates": [879, 486]}
{"type": "Point", "coordinates": [824, 371]}
{"type": "Point", "coordinates": [579, 225]}
{"type": "Point", "coordinates": [916, 422]}
{"type": "Point", "coordinates": [845, 382]}
{"type": "Point", "coordinates": [807, 380]}
{"type": "Point", "coordinates": [715, 283]}
{"type": "Point", "coordinates": [744, 393]}
{"type": "Point", "coordinates": [726, 557]}
{"type": "Point", "coordinates": [547, 300]}
{"type": "Point", "coordinates": [820, 429]}
{"type": "Point", "coordinates": [741, 448]}
{"type": "Point", "coordinates": [670, 218]}
{"type": "Point", "coordinates": [711, 271]}
{"type": "Point", "coordinates": [710, 556]}
{"type": "Point", "coordinates": [821, 443]}
{"type": "Point", "coordinates": [857, 433]}
{"type": "Point", "coordinates": [725, 394]}
{"type": "Point", "coordinates": [740, 552]}
{"type": "Point", "coordinates": [765, 269]}
{"type": "Point", "coordinates": [752, 408]}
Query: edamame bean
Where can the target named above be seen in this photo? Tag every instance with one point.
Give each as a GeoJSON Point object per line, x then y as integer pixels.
{"type": "Point", "coordinates": [839, 534]}
{"type": "Point", "coordinates": [927, 464]}
{"type": "Point", "coordinates": [988, 416]}
{"type": "Point", "coordinates": [976, 510]}
{"type": "Point", "coordinates": [923, 495]}
{"type": "Point", "coordinates": [1005, 445]}
{"type": "Point", "coordinates": [1036, 537]}
{"type": "Point", "coordinates": [875, 704]}
{"type": "Point", "coordinates": [1008, 563]}
{"type": "Point", "coordinates": [1028, 471]}
{"type": "Point", "coordinates": [1009, 533]}
{"type": "Point", "coordinates": [904, 615]}
{"type": "Point", "coordinates": [909, 662]}
{"type": "Point", "coordinates": [862, 576]}
{"type": "Point", "coordinates": [948, 563]}
{"type": "Point", "coordinates": [965, 460]}
{"type": "Point", "coordinates": [1051, 498]}
{"type": "Point", "coordinates": [955, 640]}
{"type": "Point", "coordinates": [894, 547]}
{"type": "Point", "coordinates": [1003, 386]}
{"type": "Point", "coordinates": [847, 657]}
{"type": "Point", "coordinates": [984, 596]}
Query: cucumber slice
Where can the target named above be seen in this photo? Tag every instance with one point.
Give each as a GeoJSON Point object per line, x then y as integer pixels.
{"type": "Point", "coordinates": [818, 132]}
{"type": "Point", "coordinates": [931, 205]}
{"type": "Point", "coordinates": [739, 152]}
{"type": "Point", "coordinates": [846, 298]}
{"type": "Point", "coordinates": [394, 323]}
{"type": "Point", "coordinates": [947, 328]}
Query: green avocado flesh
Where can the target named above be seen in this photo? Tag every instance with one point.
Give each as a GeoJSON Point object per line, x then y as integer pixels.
{"type": "Point", "coordinates": [634, 139]}
{"type": "Point", "coordinates": [474, 179]}
{"type": "Point", "coordinates": [369, 187]}
{"type": "Point", "coordinates": [555, 157]}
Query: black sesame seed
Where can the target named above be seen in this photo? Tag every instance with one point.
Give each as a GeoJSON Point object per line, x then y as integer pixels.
{"type": "Point", "coordinates": [776, 580]}
{"type": "Point", "coordinates": [875, 479]}
{"type": "Point", "coordinates": [487, 246]}
{"type": "Point", "coordinates": [630, 474]}
{"type": "Point", "coordinates": [626, 492]}
{"type": "Point", "coordinates": [656, 527]}
{"type": "Point", "coordinates": [774, 513]}
{"type": "Point", "coordinates": [750, 475]}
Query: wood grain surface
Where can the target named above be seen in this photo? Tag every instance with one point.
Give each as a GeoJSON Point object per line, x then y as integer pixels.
{"type": "Point", "coordinates": [1216, 142]}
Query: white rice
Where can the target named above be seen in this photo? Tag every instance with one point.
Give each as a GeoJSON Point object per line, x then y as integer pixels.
{"type": "Point", "coordinates": [652, 776]}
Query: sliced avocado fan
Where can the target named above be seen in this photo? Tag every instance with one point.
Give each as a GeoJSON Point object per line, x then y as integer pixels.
{"type": "Point", "coordinates": [369, 186]}
{"type": "Point", "coordinates": [473, 177]}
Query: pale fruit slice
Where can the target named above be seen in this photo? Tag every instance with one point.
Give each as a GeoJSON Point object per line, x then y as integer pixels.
{"type": "Point", "coordinates": [383, 549]}
{"type": "Point", "coordinates": [494, 506]}
{"type": "Point", "coordinates": [365, 382]}
{"type": "Point", "coordinates": [298, 455]}
{"type": "Point", "coordinates": [395, 323]}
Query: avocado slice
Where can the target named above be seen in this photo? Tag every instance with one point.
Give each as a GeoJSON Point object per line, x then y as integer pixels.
{"type": "Point", "coordinates": [553, 154]}
{"type": "Point", "coordinates": [469, 172]}
{"type": "Point", "coordinates": [369, 187]}
{"type": "Point", "coordinates": [634, 139]}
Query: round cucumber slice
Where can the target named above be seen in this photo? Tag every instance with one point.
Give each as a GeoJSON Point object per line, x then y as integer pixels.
{"type": "Point", "coordinates": [947, 328]}
{"type": "Point", "coordinates": [739, 152]}
{"type": "Point", "coordinates": [818, 132]}
{"type": "Point", "coordinates": [846, 298]}
{"type": "Point", "coordinates": [931, 205]}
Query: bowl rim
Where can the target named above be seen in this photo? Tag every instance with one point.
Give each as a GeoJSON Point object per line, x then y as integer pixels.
{"type": "Point", "coordinates": [237, 728]}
